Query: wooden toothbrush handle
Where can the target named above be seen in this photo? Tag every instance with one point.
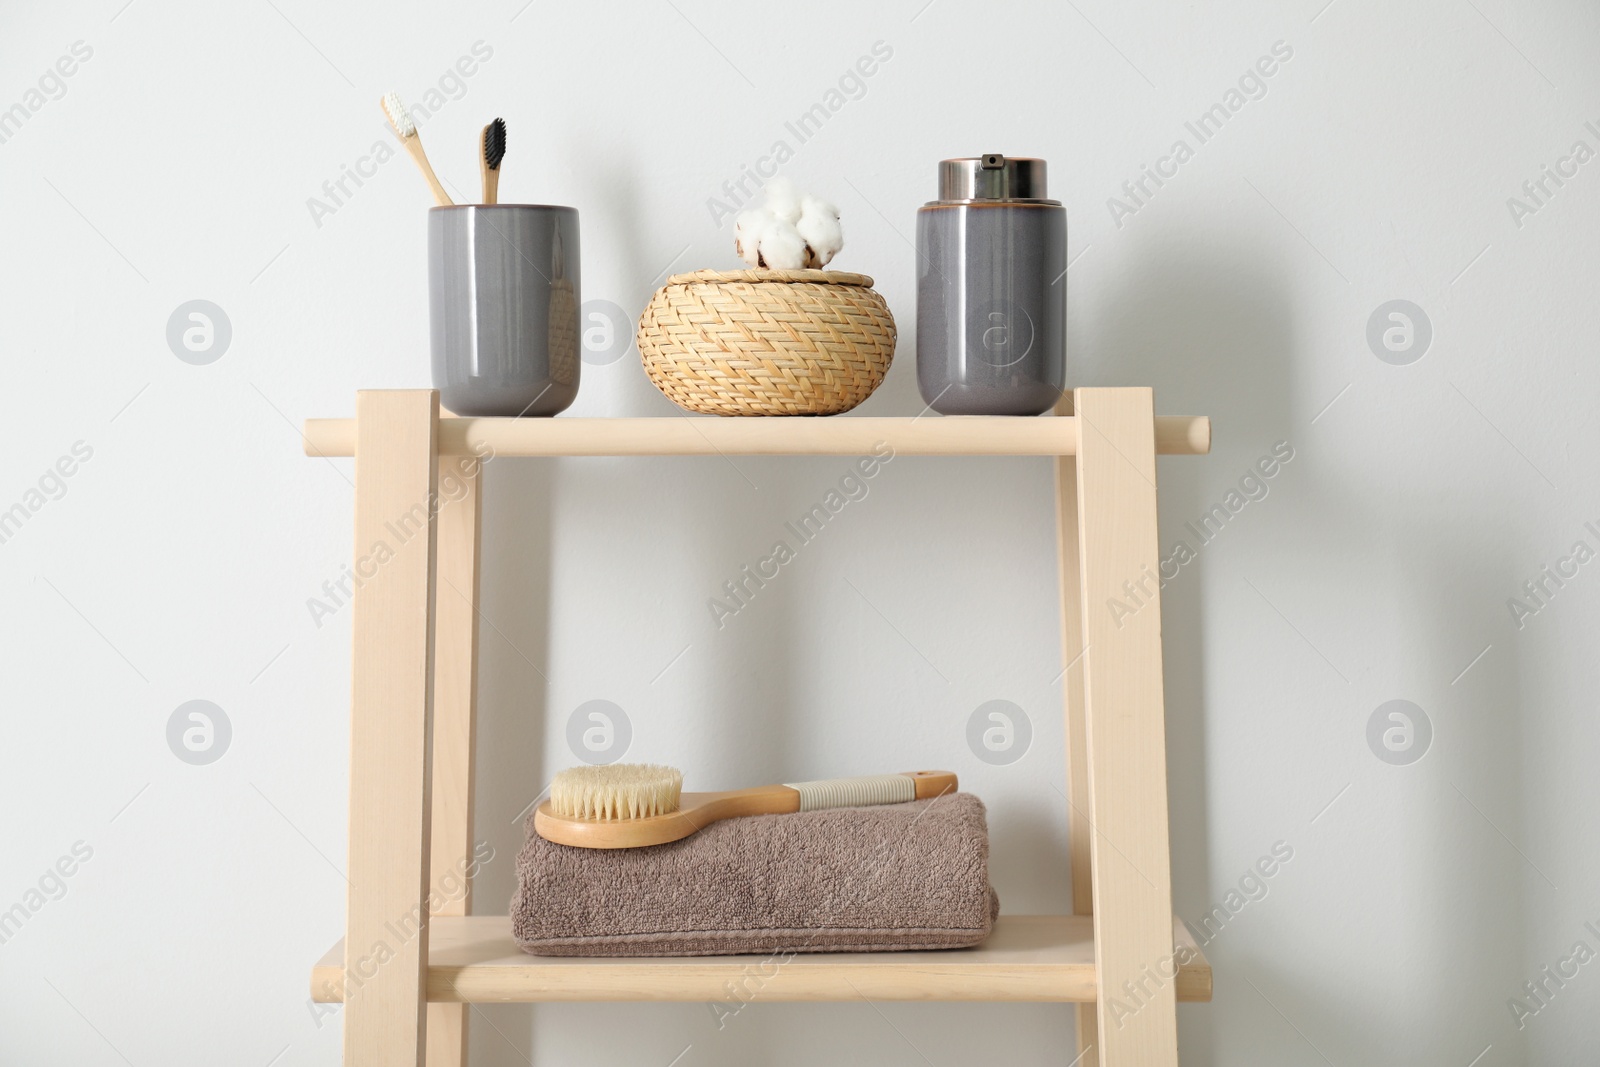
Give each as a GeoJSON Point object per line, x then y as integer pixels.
{"type": "Point", "coordinates": [933, 783]}
{"type": "Point", "coordinates": [491, 183]}
{"type": "Point", "coordinates": [413, 146]}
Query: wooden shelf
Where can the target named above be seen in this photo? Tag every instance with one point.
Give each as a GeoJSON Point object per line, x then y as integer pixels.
{"type": "Point", "coordinates": [473, 959]}
{"type": "Point", "coordinates": [413, 734]}
{"type": "Point", "coordinates": [843, 435]}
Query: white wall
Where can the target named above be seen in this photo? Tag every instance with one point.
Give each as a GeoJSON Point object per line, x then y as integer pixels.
{"type": "Point", "coordinates": [178, 561]}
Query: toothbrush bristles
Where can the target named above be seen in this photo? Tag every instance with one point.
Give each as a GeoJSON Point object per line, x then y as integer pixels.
{"type": "Point", "coordinates": [399, 117]}
{"type": "Point", "coordinates": [494, 143]}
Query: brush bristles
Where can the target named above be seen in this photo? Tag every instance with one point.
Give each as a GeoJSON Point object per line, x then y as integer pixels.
{"type": "Point", "coordinates": [399, 117]}
{"type": "Point", "coordinates": [620, 791]}
{"type": "Point", "coordinates": [494, 143]}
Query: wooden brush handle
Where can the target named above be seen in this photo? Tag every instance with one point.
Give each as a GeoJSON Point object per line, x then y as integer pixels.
{"type": "Point", "coordinates": [699, 810]}
{"type": "Point", "coordinates": [932, 784]}
{"type": "Point", "coordinates": [413, 145]}
{"type": "Point", "coordinates": [872, 789]}
{"type": "Point", "coordinates": [491, 182]}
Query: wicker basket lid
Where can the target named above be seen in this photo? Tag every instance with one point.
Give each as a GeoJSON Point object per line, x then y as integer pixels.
{"type": "Point", "coordinates": [824, 277]}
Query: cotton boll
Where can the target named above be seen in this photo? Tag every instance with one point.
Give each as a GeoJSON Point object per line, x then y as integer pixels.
{"type": "Point", "coordinates": [815, 205]}
{"type": "Point", "coordinates": [783, 199]}
{"type": "Point", "coordinates": [781, 246]}
{"type": "Point", "coordinates": [765, 238]}
{"type": "Point", "coordinates": [819, 229]}
{"type": "Point", "coordinates": [747, 234]}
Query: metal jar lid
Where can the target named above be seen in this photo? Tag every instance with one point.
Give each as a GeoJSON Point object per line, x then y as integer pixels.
{"type": "Point", "coordinates": [992, 177]}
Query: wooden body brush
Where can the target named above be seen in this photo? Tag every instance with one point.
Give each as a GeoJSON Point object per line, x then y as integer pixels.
{"type": "Point", "coordinates": [629, 805]}
{"type": "Point", "coordinates": [406, 130]}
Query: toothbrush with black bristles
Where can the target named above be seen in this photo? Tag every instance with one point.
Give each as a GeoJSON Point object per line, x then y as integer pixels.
{"type": "Point", "coordinates": [494, 150]}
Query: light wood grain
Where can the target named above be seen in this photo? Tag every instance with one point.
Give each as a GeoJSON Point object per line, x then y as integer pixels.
{"type": "Point", "coordinates": [1027, 958]}
{"type": "Point", "coordinates": [413, 147]}
{"type": "Point", "coordinates": [1069, 566]}
{"type": "Point", "coordinates": [695, 812]}
{"type": "Point", "coordinates": [846, 435]}
{"type": "Point", "coordinates": [1072, 657]}
{"type": "Point", "coordinates": [1110, 963]}
{"type": "Point", "coordinates": [390, 710]}
{"type": "Point", "coordinates": [1087, 1031]}
{"type": "Point", "coordinates": [455, 690]}
{"type": "Point", "coordinates": [1126, 728]}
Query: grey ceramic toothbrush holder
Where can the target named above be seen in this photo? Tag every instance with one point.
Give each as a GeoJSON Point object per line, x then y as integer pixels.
{"type": "Point", "coordinates": [503, 302]}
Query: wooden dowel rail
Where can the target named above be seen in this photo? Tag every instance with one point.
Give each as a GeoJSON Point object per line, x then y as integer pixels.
{"type": "Point", "coordinates": [930, 435]}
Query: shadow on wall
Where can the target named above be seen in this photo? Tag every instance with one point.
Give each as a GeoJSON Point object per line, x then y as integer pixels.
{"type": "Point", "coordinates": [1215, 333]}
{"type": "Point", "coordinates": [1470, 783]}
{"type": "Point", "coordinates": [1218, 332]}
{"type": "Point", "coordinates": [1431, 848]}
{"type": "Point", "coordinates": [615, 197]}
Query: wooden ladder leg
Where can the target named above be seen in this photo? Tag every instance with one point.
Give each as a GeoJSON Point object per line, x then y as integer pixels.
{"type": "Point", "coordinates": [455, 696]}
{"type": "Point", "coordinates": [391, 706]}
{"type": "Point", "coordinates": [1125, 728]}
{"type": "Point", "coordinates": [1078, 829]}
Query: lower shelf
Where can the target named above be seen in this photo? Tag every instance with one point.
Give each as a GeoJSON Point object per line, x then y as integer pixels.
{"type": "Point", "coordinates": [473, 959]}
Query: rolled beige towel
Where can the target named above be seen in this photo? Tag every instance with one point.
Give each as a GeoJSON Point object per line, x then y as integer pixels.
{"type": "Point", "coordinates": [879, 879]}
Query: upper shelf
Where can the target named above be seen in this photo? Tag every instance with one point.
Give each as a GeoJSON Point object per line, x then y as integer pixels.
{"type": "Point", "coordinates": [842, 435]}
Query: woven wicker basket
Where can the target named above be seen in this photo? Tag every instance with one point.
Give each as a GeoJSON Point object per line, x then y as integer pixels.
{"type": "Point", "coordinates": [767, 342]}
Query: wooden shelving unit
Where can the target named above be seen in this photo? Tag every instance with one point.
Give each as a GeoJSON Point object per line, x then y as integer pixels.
{"type": "Point", "coordinates": [405, 975]}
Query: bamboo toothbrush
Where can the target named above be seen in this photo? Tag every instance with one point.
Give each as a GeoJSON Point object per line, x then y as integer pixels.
{"type": "Point", "coordinates": [629, 805]}
{"type": "Point", "coordinates": [494, 150]}
{"type": "Point", "coordinates": [406, 130]}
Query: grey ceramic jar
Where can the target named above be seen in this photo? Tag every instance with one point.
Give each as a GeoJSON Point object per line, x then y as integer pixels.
{"type": "Point", "coordinates": [991, 290]}
{"type": "Point", "coordinates": [503, 307]}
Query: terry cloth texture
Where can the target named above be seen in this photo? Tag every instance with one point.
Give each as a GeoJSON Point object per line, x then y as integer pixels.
{"type": "Point", "coordinates": [878, 879]}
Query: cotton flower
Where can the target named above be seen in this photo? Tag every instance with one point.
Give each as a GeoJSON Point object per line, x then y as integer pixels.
{"type": "Point", "coordinates": [762, 239]}
{"type": "Point", "coordinates": [781, 245]}
{"type": "Point", "coordinates": [747, 234]}
{"type": "Point", "coordinates": [783, 199]}
{"type": "Point", "coordinates": [819, 228]}
{"type": "Point", "coordinates": [789, 232]}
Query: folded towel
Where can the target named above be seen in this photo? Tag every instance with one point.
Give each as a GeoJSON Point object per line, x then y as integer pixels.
{"type": "Point", "coordinates": [898, 876]}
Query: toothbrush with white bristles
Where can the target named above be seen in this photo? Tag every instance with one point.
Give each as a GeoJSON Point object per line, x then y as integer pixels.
{"type": "Point", "coordinates": [406, 130]}
{"type": "Point", "coordinates": [494, 150]}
